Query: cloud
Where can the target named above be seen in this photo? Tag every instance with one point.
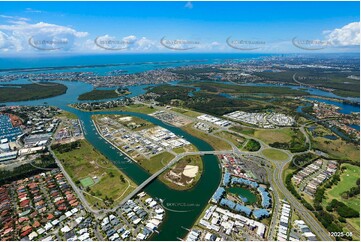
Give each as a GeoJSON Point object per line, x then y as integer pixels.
{"type": "Point", "coordinates": [30, 10]}
{"type": "Point", "coordinates": [189, 5]}
{"type": "Point", "coordinates": [127, 43]}
{"type": "Point", "coordinates": [24, 36]}
{"type": "Point", "coordinates": [14, 18]}
{"type": "Point", "coordinates": [348, 35]}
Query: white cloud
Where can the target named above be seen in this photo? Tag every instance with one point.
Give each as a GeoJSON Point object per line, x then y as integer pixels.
{"type": "Point", "coordinates": [30, 10]}
{"type": "Point", "coordinates": [127, 43]}
{"type": "Point", "coordinates": [348, 35]}
{"type": "Point", "coordinates": [14, 18]}
{"type": "Point", "coordinates": [189, 5]}
{"type": "Point", "coordinates": [23, 36]}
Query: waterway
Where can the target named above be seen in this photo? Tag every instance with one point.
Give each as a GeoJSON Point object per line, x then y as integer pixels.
{"type": "Point", "coordinates": [345, 108]}
{"type": "Point", "coordinates": [186, 205]}
{"type": "Point", "coordinates": [243, 192]}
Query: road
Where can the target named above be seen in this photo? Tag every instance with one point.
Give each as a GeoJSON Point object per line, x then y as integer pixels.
{"type": "Point", "coordinates": [85, 203]}
{"type": "Point", "coordinates": [276, 181]}
{"type": "Point", "coordinates": [169, 165]}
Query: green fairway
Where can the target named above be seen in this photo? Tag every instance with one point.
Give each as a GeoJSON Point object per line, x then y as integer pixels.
{"type": "Point", "coordinates": [275, 154]}
{"type": "Point", "coordinates": [86, 182]}
{"type": "Point", "coordinates": [348, 179]}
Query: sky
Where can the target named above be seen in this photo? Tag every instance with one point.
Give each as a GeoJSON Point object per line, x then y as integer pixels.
{"type": "Point", "coordinates": [48, 28]}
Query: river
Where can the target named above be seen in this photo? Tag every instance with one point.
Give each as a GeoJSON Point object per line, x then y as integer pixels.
{"type": "Point", "coordinates": [186, 206]}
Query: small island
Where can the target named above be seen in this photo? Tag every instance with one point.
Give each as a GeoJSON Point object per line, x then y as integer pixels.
{"type": "Point", "coordinates": [26, 92]}
{"type": "Point", "coordinates": [97, 94]}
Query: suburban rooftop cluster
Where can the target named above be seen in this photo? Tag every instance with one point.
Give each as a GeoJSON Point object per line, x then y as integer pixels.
{"type": "Point", "coordinates": [263, 120]}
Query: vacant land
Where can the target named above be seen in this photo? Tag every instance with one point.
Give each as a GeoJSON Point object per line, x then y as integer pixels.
{"type": "Point", "coordinates": [338, 149]}
{"type": "Point", "coordinates": [270, 136]}
{"type": "Point", "coordinates": [237, 140]}
{"type": "Point", "coordinates": [244, 130]}
{"type": "Point", "coordinates": [25, 92]}
{"type": "Point", "coordinates": [137, 108]}
{"type": "Point", "coordinates": [187, 148]}
{"type": "Point", "coordinates": [68, 115]}
{"type": "Point", "coordinates": [215, 142]}
{"type": "Point", "coordinates": [189, 113]}
{"type": "Point", "coordinates": [156, 162]}
{"type": "Point", "coordinates": [83, 161]}
{"type": "Point", "coordinates": [275, 154]}
{"type": "Point", "coordinates": [176, 179]}
{"type": "Point", "coordinates": [283, 138]}
{"type": "Point", "coordinates": [131, 122]}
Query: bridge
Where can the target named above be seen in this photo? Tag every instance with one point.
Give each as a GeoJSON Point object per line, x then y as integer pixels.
{"type": "Point", "coordinates": [169, 165]}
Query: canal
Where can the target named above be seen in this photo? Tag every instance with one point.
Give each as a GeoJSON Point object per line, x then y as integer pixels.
{"type": "Point", "coordinates": [185, 206]}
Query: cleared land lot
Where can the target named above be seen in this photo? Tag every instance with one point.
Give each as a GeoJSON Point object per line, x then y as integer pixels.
{"type": "Point", "coordinates": [187, 112]}
{"type": "Point", "coordinates": [275, 135]}
{"type": "Point", "coordinates": [337, 148]}
{"type": "Point", "coordinates": [216, 143]}
{"type": "Point", "coordinates": [275, 154]}
{"type": "Point", "coordinates": [156, 162]}
{"type": "Point", "coordinates": [86, 162]}
{"type": "Point", "coordinates": [139, 108]}
{"type": "Point", "coordinates": [237, 140]}
{"type": "Point", "coordinates": [180, 167]}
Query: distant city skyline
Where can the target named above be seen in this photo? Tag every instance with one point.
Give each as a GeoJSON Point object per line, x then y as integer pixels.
{"type": "Point", "coordinates": [172, 27]}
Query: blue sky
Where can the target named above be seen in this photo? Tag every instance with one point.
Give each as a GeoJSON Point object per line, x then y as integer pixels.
{"type": "Point", "coordinates": [202, 26]}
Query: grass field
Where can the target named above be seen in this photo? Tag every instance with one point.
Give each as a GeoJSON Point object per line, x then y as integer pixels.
{"type": "Point", "coordinates": [244, 130]}
{"type": "Point", "coordinates": [156, 162]}
{"type": "Point", "coordinates": [68, 115]}
{"type": "Point", "coordinates": [86, 182]}
{"type": "Point", "coordinates": [188, 148]}
{"type": "Point", "coordinates": [187, 112]}
{"type": "Point", "coordinates": [275, 154]}
{"type": "Point", "coordinates": [269, 136]}
{"type": "Point", "coordinates": [234, 138]}
{"type": "Point", "coordinates": [337, 148]}
{"type": "Point", "coordinates": [216, 143]}
{"type": "Point", "coordinates": [86, 162]}
{"type": "Point", "coordinates": [348, 180]}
